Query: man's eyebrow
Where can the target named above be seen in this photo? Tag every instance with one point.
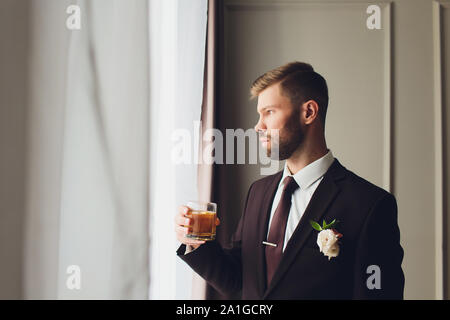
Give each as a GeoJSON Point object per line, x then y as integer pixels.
{"type": "Point", "coordinates": [269, 106]}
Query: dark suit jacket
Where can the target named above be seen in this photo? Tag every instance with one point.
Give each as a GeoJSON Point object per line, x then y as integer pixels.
{"type": "Point", "coordinates": [368, 222]}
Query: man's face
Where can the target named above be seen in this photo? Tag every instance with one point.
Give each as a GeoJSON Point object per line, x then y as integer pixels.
{"type": "Point", "coordinates": [278, 116]}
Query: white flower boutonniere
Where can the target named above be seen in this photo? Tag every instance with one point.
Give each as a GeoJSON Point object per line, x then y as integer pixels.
{"type": "Point", "coordinates": [328, 238]}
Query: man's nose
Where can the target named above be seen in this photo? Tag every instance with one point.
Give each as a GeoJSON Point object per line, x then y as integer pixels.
{"type": "Point", "coordinates": [260, 126]}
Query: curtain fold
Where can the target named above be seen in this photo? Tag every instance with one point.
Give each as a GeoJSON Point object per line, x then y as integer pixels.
{"type": "Point", "coordinates": [215, 115]}
{"type": "Point", "coordinates": [177, 58]}
{"type": "Point", "coordinates": [104, 188]}
{"type": "Point", "coordinates": [205, 168]}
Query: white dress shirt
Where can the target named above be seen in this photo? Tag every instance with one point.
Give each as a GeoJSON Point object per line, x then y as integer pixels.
{"type": "Point", "coordinates": [308, 180]}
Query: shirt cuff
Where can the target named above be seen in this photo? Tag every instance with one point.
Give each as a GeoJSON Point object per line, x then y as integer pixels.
{"type": "Point", "coordinates": [189, 249]}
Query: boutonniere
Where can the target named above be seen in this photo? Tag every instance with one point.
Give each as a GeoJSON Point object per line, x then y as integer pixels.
{"type": "Point", "coordinates": [328, 238]}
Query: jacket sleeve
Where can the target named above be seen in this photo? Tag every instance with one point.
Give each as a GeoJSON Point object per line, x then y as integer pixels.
{"type": "Point", "coordinates": [378, 273]}
{"type": "Point", "coordinates": [220, 267]}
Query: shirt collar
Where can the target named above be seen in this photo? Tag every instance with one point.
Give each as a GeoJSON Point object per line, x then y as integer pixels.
{"type": "Point", "coordinates": [312, 172]}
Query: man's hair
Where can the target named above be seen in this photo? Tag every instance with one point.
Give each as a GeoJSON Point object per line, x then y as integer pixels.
{"type": "Point", "coordinates": [299, 82]}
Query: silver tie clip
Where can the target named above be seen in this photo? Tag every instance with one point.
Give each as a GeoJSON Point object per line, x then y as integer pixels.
{"type": "Point", "coordinates": [269, 244]}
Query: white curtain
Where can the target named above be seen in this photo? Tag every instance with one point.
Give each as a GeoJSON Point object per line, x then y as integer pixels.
{"type": "Point", "coordinates": [104, 188]}
{"type": "Point", "coordinates": [102, 191]}
{"type": "Point", "coordinates": [177, 51]}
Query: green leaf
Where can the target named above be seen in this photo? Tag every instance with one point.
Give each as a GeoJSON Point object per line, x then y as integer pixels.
{"type": "Point", "coordinates": [331, 224]}
{"type": "Point", "coordinates": [315, 225]}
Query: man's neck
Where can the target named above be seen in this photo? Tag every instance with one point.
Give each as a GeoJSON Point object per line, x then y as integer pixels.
{"type": "Point", "coordinates": [301, 158]}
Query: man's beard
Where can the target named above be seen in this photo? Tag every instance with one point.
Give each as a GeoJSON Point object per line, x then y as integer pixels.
{"type": "Point", "coordinates": [290, 137]}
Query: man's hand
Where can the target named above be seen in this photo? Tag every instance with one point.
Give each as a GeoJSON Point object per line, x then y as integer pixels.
{"type": "Point", "coordinates": [182, 224]}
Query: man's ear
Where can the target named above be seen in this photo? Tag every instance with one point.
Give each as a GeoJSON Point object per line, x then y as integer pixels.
{"type": "Point", "coordinates": [312, 110]}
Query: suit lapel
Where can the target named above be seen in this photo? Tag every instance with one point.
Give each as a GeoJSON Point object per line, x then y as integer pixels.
{"type": "Point", "coordinates": [319, 203]}
{"type": "Point", "coordinates": [262, 224]}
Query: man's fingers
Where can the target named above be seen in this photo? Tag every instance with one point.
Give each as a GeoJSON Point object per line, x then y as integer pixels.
{"type": "Point", "coordinates": [181, 231]}
{"type": "Point", "coordinates": [181, 235]}
{"type": "Point", "coordinates": [182, 220]}
{"type": "Point", "coordinates": [183, 210]}
{"type": "Point", "coordinates": [193, 242]}
{"type": "Point", "coordinates": [182, 224]}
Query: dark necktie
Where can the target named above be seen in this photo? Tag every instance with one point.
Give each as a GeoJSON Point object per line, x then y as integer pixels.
{"type": "Point", "coordinates": [278, 228]}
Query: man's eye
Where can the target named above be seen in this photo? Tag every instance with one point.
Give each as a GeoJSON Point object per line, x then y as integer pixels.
{"type": "Point", "coordinates": [269, 111]}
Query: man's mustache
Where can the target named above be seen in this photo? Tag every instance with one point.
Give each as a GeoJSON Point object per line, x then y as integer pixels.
{"type": "Point", "coordinates": [265, 135]}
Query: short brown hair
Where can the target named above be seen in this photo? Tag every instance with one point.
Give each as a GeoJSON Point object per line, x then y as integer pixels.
{"type": "Point", "coordinates": [299, 82]}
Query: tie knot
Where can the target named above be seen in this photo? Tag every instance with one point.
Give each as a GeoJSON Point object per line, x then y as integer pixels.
{"type": "Point", "coordinates": [290, 185]}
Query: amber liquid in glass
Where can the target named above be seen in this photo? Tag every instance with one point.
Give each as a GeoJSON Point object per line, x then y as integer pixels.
{"type": "Point", "coordinates": [203, 225]}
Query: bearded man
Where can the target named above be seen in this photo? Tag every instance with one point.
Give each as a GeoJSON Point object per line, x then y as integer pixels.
{"type": "Point", "coordinates": [314, 230]}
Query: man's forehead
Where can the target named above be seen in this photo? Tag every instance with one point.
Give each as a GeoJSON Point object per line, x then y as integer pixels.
{"type": "Point", "coordinates": [271, 97]}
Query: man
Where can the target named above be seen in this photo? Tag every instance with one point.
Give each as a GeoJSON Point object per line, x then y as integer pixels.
{"type": "Point", "coordinates": [312, 231]}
